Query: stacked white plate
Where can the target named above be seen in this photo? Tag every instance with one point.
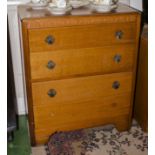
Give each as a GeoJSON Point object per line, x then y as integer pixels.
{"type": "Point", "coordinates": [38, 6]}
{"type": "Point", "coordinates": [103, 8]}
{"type": "Point", "coordinates": [59, 10]}
{"type": "Point", "coordinates": [79, 3]}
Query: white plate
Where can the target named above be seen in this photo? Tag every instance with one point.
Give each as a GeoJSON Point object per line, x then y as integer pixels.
{"type": "Point", "coordinates": [77, 4]}
{"type": "Point", "coordinates": [51, 5]}
{"type": "Point", "coordinates": [38, 5]}
{"type": "Point", "coordinates": [103, 8]}
{"type": "Point", "coordinates": [59, 11]}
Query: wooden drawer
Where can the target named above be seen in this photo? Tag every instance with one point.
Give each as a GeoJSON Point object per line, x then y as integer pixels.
{"type": "Point", "coordinates": [77, 98]}
{"type": "Point", "coordinates": [86, 61]}
{"type": "Point", "coordinates": [64, 114]}
{"type": "Point", "coordinates": [80, 90]}
{"type": "Point", "coordinates": [81, 36]}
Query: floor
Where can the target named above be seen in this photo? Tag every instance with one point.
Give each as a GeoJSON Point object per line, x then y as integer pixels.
{"type": "Point", "coordinates": [102, 140]}
{"type": "Point", "coordinates": [21, 142]}
{"type": "Point", "coordinates": [40, 150]}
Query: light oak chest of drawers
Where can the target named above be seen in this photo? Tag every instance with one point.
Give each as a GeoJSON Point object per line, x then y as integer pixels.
{"type": "Point", "coordinates": [80, 70]}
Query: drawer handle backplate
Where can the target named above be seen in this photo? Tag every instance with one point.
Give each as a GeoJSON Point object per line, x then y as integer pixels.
{"type": "Point", "coordinates": [52, 93]}
{"type": "Point", "coordinates": [116, 84]}
{"type": "Point", "coordinates": [117, 58]}
{"type": "Point", "coordinates": [119, 34]}
{"type": "Point", "coordinates": [50, 64]}
{"type": "Point", "coordinates": [49, 40]}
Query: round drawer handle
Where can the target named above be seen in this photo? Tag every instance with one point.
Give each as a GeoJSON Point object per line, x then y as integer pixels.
{"type": "Point", "coordinates": [50, 64]}
{"type": "Point", "coordinates": [119, 34]}
{"type": "Point", "coordinates": [116, 84]}
{"type": "Point", "coordinates": [117, 58]}
{"type": "Point", "coordinates": [51, 93]}
{"type": "Point", "coordinates": [49, 40]}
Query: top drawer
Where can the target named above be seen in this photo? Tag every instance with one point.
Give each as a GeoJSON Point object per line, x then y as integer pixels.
{"type": "Point", "coordinates": [81, 36]}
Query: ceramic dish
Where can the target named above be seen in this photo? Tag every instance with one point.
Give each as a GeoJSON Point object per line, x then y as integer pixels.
{"type": "Point", "coordinates": [38, 5]}
{"type": "Point", "coordinates": [59, 11]}
{"type": "Point", "coordinates": [102, 8]}
{"type": "Point", "coordinates": [77, 4]}
{"type": "Point", "coordinates": [51, 5]}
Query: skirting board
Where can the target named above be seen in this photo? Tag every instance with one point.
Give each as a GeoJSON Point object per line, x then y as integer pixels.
{"type": "Point", "coordinates": [21, 108]}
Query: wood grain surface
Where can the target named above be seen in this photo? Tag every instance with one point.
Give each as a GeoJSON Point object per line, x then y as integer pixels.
{"type": "Point", "coordinates": [81, 36]}
{"type": "Point", "coordinates": [83, 52]}
{"type": "Point", "coordinates": [79, 62]}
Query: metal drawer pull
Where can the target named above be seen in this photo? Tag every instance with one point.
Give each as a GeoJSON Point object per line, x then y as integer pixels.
{"type": "Point", "coordinates": [50, 64]}
{"type": "Point", "coordinates": [51, 93]}
{"type": "Point", "coordinates": [116, 84]}
{"type": "Point", "coordinates": [119, 34]}
{"type": "Point", "coordinates": [49, 40]}
{"type": "Point", "coordinates": [117, 58]}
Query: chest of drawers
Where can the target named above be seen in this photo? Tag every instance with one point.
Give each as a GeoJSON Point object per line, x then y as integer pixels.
{"type": "Point", "coordinates": [80, 70]}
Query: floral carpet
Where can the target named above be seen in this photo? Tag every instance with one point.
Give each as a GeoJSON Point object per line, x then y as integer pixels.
{"type": "Point", "coordinates": [99, 141]}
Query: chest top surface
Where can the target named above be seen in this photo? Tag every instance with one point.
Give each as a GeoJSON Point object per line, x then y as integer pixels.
{"type": "Point", "coordinates": [43, 18]}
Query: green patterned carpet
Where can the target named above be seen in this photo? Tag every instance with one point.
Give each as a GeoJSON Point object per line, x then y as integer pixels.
{"type": "Point", "coordinates": [21, 142]}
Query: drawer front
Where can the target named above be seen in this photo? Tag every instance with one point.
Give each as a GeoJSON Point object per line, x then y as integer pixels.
{"type": "Point", "coordinates": [76, 103]}
{"type": "Point", "coordinates": [79, 90]}
{"type": "Point", "coordinates": [67, 104]}
{"type": "Point", "coordinates": [86, 61]}
{"type": "Point", "coordinates": [65, 113]}
{"type": "Point", "coordinates": [81, 36]}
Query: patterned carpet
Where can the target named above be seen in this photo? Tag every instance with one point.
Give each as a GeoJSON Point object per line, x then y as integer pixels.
{"type": "Point", "coordinates": [104, 140]}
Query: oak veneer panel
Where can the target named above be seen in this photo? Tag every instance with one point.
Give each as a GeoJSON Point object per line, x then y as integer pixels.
{"type": "Point", "coordinates": [27, 73]}
{"type": "Point", "coordinates": [141, 96]}
{"type": "Point", "coordinates": [62, 114]}
{"type": "Point", "coordinates": [81, 36]}
{"type": "Point", "coordinates": [85, 61]}
{"type": "Point", "coordinates": [120, 121]}
{"type": "Point", "coordinates": [41, 19]}
{"type": "Point", "coordinates": [80, 89]}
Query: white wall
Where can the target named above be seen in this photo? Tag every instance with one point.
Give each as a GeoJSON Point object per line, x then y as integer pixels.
{"type": "Point", "coordinates": [125, 1]}
{"type": "Point", "coordinates": [136, 4]}
{"type": "Point", "coordinates": [16, 54]}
